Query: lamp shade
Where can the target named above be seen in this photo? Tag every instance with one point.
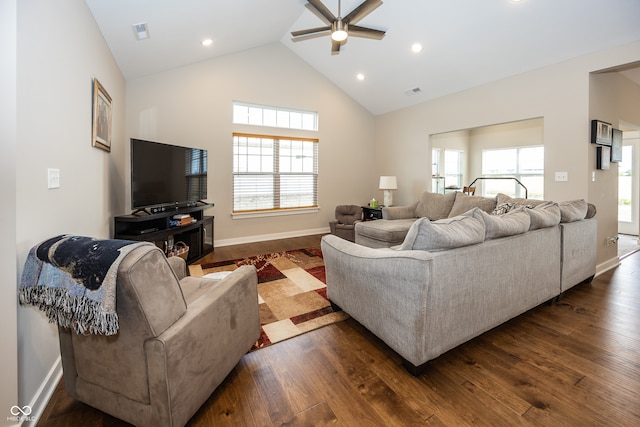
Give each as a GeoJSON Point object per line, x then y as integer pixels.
{"type": "Point", "coordinates": [388, 183]}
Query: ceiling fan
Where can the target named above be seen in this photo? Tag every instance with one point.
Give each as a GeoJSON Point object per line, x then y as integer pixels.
{"type": "Point", "coordinates": [338, 27]}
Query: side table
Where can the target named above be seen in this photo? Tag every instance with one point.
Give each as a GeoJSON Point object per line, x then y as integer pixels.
{"type": "Point", "coordinates": [371, 214]}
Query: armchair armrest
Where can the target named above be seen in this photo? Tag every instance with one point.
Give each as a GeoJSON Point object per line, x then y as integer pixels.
{"type": "Point", "coordinates": [202, 347]}
{"type": "Point", "coordinates": [179, 266]}
{"type": "Point", "coordinates": [399, 212]}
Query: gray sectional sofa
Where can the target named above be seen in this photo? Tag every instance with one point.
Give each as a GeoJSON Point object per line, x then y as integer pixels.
{"type": "Point", "coordinates": [458, 270]}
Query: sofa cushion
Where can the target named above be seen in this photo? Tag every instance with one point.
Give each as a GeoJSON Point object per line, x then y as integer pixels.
{"type": "Point", "coordinates": [464, 203]}
{"type": "Point", "coordinates": [514, 222]}
{"type": "Point", "coordinates": [435, 206]}
{"type": "Point", "coordinates": [503, 198]}
{"type": "Point", "coordinates": [390, 231]}
{"type": "Point", "coordinates": [544, 215]}
{"type": "Point", "coordinates": [573, 210]}
{"type": "Point", "coordinates": [448, 233]}
{"type": "Point", "coordinates": [399, 212]}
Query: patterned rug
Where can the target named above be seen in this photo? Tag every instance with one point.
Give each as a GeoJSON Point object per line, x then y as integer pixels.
{"type": "Point", "coordinates": [292, 292]}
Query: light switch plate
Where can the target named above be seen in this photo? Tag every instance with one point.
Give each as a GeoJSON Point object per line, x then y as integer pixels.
{"type": "Point", "coordinates": [53, 178]}
{"type": "Point", "coordinates": [562, 176]}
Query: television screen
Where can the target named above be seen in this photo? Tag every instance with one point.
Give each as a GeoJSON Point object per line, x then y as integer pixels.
{"type": "Point", "coordinates": [164, 174]}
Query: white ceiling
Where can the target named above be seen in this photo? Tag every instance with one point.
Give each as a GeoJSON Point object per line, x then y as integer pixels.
{"type": "Point", "coordinates": [466, 42]}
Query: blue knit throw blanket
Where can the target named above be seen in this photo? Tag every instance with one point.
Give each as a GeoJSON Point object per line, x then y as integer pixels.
{"type": "Point", "coordinates": [73, 280]}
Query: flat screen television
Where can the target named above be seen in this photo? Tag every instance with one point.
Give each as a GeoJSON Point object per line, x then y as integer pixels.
{"type": "Point", "coordinates": [165, 175]}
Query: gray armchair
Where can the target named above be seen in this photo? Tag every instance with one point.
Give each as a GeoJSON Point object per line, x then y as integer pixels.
{"type": "Point", "coordinates": [346, 218]}
{"type": "Point", "coordinates": [179, 338]}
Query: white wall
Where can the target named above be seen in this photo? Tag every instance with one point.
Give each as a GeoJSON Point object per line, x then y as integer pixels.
{"type": "Point", "coordinates": [8, 327]}
{"type": "Point", "coordinates": [60, 50]}
{"type": "Point", "coordinates": [558, 94]}
{"type": "Point", "coordinates": [192, 106]}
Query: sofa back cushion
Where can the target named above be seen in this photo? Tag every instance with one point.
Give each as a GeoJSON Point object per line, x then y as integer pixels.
{"type": "Point", "coordinates": [544, 215]}
{"type": "Point", "coordinates": [503, 198]}
{"type": "Point", "coordinates": [464, 203]}
{"type": "Point", "coordinates": [448, 233]}
{"type": "Point", "coordinates": [514, 222]}
{"type": "Point", "coordinates": [573, 210]}
{"type": "Point", "coordinates": [435, 206]}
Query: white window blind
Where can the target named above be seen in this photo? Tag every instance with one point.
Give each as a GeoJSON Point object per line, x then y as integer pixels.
{"type": "Point", "coordinates": [274, 173]}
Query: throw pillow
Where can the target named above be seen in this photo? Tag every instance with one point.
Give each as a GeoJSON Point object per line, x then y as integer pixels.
{"type": "Point", "coordinates": [449, 233]}
{"type": "Point", "coordinates": [435, 206]}
{"type": "Point", "coordinates": [503, 208]}
{"type": "Point", "coordinates": [463, 203]}
{"type": "Point", "coordinates": [516, 221]}
{"type": "Point", "coordinates": [503, 198]}
{"type": "Point", "coordinates": [544, 215]}
{"type": "Point", "coordinates": [574, 210]}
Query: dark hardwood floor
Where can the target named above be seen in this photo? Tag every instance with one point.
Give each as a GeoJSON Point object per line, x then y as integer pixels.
{"type": "Point", "coordinates": [575, 363]}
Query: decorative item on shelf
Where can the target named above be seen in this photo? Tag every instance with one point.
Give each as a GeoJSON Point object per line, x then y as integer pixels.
{"type": "Point", "coordinates": [601, 132]}
{"type": "Point", "coordinates": [180, 249]}
{"type": "Point", "coordinates": [182, 219]}
{"type": "Point", "coordinates": [388, 184]}
{"type": "Point", "coordinates": [373, 203]}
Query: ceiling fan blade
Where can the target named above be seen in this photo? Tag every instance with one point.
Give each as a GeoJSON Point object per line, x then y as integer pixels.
{"type": "Point", "coordinates": [310, 31]}
{"type": "Point", "coordinates": [335, 47]}
{"type": "Point", "coordinates": [310, 36]}
{"type": "Point", "coordinates": [368, 33]}
{"type": "Point", "coordinates": [361, 11]}
{"type": "Point", "coordinates": [321, 11]}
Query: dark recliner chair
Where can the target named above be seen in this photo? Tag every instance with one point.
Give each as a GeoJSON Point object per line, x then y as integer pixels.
{"type": "Point", "coordinates": [346, 218]}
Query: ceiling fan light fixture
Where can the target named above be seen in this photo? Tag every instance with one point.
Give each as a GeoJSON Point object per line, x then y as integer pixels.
{"type": "Point", "coordinates": [339, 31]}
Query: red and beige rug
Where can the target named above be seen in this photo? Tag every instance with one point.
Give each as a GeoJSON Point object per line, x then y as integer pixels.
{"type": "Point", "coordinates": [292, 292]}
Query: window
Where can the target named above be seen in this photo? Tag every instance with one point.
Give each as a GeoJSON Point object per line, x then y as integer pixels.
{"type": "Point", "coordinates": [524, 163]}
{"type": "Point", "coordinates": [273, 173]}
{"type": "Point", "coordinates": [452, 169]}
{"type": "Point", "coordinates": [262, 115]}
{"type": "Point", "coordinates": [196, 167]}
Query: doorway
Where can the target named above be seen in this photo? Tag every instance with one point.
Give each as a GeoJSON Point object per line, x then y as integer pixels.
{"type": "Point", "coordinates": [628, 193]}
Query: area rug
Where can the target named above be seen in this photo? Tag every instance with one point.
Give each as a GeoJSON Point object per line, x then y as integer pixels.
{"type": "Point", "coordinates": [292, 292]}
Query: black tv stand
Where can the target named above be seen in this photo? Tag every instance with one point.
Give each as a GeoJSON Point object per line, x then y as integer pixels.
{"type": "Point", "coordinates": [143, 225]}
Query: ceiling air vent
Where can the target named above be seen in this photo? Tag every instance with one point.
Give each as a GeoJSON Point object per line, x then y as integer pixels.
{"type": "Point", "coordinates": [413, 91]}
{"type": "Point", "coordinates": [141, 30]}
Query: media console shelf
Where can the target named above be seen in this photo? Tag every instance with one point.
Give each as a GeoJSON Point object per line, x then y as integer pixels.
{"type": "Point", "coordinates": [156, 228]}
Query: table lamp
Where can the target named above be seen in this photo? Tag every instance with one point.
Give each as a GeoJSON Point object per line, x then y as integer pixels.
{"type": "Point", "coordinates": [388, 184]}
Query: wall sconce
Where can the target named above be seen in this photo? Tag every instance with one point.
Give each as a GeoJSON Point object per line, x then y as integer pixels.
{"type": "Point", "coordinates": [388, 184]}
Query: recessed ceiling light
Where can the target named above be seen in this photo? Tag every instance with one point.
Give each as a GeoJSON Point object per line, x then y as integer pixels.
{"type": "Point", "coordinates": [360, 76]}
{"type": "Point", "coordinates": [416, 47]}
{"type": "Point", "coordinates": [207, 42]}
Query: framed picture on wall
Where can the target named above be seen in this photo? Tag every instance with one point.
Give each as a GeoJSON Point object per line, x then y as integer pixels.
{"type": "Point", "coordinates": [600, 132]}
{"type": "Point", "coordinates": [616, 145]}
{"type": "Point", "coordinates": [101, 117]}
{"type": "Point", "coordinates": [603, 157]}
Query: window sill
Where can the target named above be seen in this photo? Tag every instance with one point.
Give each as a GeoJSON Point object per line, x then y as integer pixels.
{"type": "Point", "coordinates": [283, 212]}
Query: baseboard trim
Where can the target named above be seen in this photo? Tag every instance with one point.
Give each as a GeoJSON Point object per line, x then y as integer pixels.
{"type": "Point", "coordinates": [274, 236]}
{"type": "Point", "coordinates": [44, 393]}
{"type": "Point", "coordinates": [607, 265]}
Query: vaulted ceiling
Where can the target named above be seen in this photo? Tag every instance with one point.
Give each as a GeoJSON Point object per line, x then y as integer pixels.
{"type": "Point", "coordinates": [466, 43]}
